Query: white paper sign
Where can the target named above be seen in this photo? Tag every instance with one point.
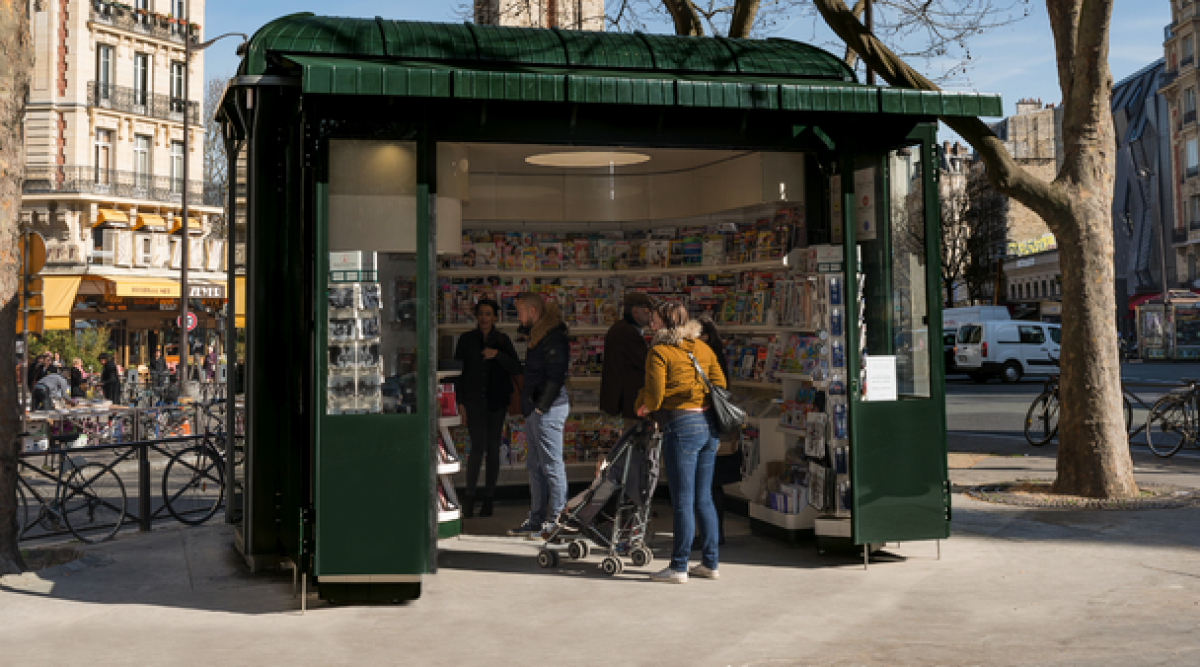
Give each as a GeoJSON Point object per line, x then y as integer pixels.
{"type": "Point", "coordinates": [864, 204]}
{"type": "Point", "coordinates": [881, 378]}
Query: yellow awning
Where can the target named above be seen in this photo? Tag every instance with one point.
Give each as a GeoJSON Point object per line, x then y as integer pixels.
{"type": "Point", "coordinates": [111, 216]}
{"type": "Point", "coordinates": [146, 288]}
{"type": "Point", "coordinates": [194, 226]}
{"type": "Point", "coordinates": [150, 220]}
{"type": "Point", "coordinates": [239, 304]}
{"type": "Point", "coordinates": [58, 298]}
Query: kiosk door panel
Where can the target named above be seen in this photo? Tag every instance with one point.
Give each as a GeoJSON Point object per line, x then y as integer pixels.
{"type": "Point", "coordinates": [898, 432]}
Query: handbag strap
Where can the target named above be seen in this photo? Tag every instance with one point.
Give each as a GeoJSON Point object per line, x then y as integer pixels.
{"type": "Point", "coordinates": [703, 377]}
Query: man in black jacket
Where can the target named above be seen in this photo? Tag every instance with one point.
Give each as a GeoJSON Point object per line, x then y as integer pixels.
{"type": "Point", "coordinates": [625, 359]}
{"type": "Point", "coordinates": [110, 379]}
{"type": "Point", "coordinates": [545, 406]}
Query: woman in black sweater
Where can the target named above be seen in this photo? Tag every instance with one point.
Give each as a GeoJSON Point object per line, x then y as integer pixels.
{"type": "Point", "coordinates": [489, 362]}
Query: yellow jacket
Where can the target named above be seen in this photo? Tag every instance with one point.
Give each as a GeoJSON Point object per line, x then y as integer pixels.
{"type": "Point", "coordinates": [671, 381]}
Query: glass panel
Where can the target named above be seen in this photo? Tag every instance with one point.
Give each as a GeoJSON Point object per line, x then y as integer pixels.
{"type": "Point", "coordinates": [373, 285]}
{"type": "Point", "coordinates": [892, 281]}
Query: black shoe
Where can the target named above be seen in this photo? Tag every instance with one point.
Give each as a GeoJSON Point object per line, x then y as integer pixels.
{"type": "Point", "coordinates": [487, 508]}
{"type": "Point", "coordinates": [468, 508]}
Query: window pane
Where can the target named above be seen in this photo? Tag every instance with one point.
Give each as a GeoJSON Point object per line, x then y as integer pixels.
{"type": "Point", "coordinates": [1032, 335]}
{"type": "Point", "coordinates": [895, 304]}
{"type": "Point", "coordinates": [1056, 335]}
{"type": "Point", "coordinates": [374, 293]}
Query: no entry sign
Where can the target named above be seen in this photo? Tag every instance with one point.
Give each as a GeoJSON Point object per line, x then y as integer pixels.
{"type": "Point", "coordinates": [191, 321]}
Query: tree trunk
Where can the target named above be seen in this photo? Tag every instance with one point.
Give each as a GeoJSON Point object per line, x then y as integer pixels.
{"type": "Point", "coordinates": [744, 12]}
{"type": "Point", "coordinates": [14, 90]}
{"type": "Point", "coordinates": [1093, 451]}
{"type": "Point", "coordinates": [685, 17]}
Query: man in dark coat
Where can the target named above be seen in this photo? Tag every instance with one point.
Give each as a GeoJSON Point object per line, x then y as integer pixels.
{"type": "Point", "coordinates": [110, 379]}
{"type": "Point", "coordinates": [625, 359]}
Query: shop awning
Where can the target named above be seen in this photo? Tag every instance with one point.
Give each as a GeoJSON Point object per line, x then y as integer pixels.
{"type": "Point", "coordinates": [150, 220]}
{"type": "Point", "coordinates": [239, 305]}
{"type": "Point", "coordinates": [58, 298]}
{"type": "Point", "coordinates": [144, 288]}
{"type": "Point", "coordinates": [194, 226]}
{"type": "Point", "coordinates": [111, 216]}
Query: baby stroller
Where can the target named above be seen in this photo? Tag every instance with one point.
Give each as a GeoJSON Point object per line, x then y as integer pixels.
{"type": "Point", "coordinates": [614, 512]}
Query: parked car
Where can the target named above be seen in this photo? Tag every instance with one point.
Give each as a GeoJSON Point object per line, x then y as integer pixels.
{"type": "Point", "coordinates": [1008, 350]}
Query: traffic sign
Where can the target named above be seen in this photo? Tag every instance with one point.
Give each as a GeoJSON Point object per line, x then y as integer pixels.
{"type": "Point", "coordinates": [191, 321]}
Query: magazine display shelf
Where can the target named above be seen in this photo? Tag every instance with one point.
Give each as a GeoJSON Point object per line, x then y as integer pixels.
{"type": "Point", "coordinates": [448, 463]}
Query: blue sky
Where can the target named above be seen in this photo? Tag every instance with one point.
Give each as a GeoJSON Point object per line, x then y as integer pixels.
{"type": "Point", "coordinates": [1015, 61]}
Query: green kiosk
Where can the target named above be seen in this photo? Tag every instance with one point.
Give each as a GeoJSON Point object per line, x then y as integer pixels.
{"type": "Point", "coordinates": [366, 150]}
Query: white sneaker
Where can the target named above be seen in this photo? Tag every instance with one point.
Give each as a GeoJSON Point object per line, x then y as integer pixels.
{"type": "Point", "coordinates": [669, 576]}
{"type": "Point", "coordinates": [704, 572]}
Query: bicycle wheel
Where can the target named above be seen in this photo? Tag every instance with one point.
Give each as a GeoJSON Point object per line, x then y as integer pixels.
{"type": "Point", "coordinates": [1169, 425]}
{"type": "Point", "coordinates": [1041, 422]}
{"type": "Point", "coordinates": [94, 503]}
{"type": "Point", "coordinates": [194, 485]}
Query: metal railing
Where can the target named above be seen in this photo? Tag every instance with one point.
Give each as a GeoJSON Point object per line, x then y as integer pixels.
{"type": "Point", "coordinates": [132, 100]}
{"type": "Point", "coordinates": [1189, 117]}
{"type": "Point", "coordinates": [1179, 235]}
{"type": "Point", "coordinates": [115, 183]}
{"type": "Point", "coordinates": [152, 25]}
{"type": "Point", "coordinates": [1187, 60]}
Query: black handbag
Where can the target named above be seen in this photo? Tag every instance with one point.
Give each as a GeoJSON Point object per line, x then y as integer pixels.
{"type": "Point", "coordinates": [728, 417]}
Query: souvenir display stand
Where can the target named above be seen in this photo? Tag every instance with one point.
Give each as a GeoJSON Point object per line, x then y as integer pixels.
{"type": "Point", "coordinates": [391, 172]}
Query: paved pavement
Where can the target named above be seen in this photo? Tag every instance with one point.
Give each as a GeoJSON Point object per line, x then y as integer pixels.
{"type": "Point", "coordinates": [1013, 586]}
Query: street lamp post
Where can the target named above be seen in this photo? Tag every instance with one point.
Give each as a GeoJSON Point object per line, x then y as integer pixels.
{"type": "Point", "coordinates": [189, 47]}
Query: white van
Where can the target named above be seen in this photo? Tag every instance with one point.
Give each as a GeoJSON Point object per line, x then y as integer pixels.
{"type": "Point", "coordinates": [953, 318]}
{"type": "Point", "coordinates": [1008, 350]}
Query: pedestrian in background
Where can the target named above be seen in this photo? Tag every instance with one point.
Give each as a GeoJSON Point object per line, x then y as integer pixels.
{"type": "Point", "coordinates": [625, 359]}
{"type": "Point", "coordinates": [51, 386]}
{"type": "Point", "coordinates": [727, 466]}
{"type": "Point", "coordinates": [37, 369]}
{"type": "Point", "coordinates": [110, 378]}
{"type": "Point", "coordinates": [545, 406]}
{"type": "Point", "coordinates": [78, 379]}
{"type": "Point", "coordinates": [677, 398]}
{"type": "Point", "coordinates": [483, 390]}
{"type": "Point", "coordinates": [210, 364]}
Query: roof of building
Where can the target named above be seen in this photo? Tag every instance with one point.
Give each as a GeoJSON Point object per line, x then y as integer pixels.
{"type": "Point", "coordinates": [1129, 108]}
{"type": "Point", "coordinates": [348, 56]}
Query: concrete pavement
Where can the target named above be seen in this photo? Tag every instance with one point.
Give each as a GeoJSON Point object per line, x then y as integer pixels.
{"type": "Point", "coordinates": [1014, 586]}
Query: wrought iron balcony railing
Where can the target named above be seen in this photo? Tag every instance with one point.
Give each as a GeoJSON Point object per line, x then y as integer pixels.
{"type": "Point", "coordinates": [132, 100]}
{"type": "Point", "coordinates": [124, 17]}
{"type": "Point", "coordinates": [114, 183]}
{"type": "Point", "coordinates": [1179, 236]}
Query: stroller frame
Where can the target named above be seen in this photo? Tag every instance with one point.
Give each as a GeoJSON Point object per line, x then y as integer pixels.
{"type": "Point", "coordinates": [631, 530]}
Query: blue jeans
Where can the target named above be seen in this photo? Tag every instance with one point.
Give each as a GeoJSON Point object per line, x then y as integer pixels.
{"type": "Point", "coordinates": [689, 452]}
{"type": "Point", "coordinates": [544, 461]}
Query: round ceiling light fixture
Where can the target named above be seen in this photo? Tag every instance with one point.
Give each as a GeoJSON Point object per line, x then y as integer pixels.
{"type": "Point", "coordinates": [587, 159]}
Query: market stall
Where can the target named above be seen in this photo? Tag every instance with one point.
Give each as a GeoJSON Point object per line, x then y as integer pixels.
{"type": "Point", "coordinates": [399, 171]}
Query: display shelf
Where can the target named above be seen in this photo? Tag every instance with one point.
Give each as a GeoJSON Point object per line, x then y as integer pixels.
{"type": "Point", "coordinates": [584, 379]}
{"type": "Point", "coordinates": [464, 327]}
{"type": "Point", "coordinates": [802, 520]}
{"type": "Point", "coordinates": [449, 515]}
{"type": "Point", "coordinates": [833, 526]}
{"type": "Point", "coordinates": [794, 376]}
{"type": "Point", "coordinates": [791, 430]}
{"type": "Point", "coordinates": [449, 468]}
{"type": "Point", "coordinates": [450, 421]}
{"type": "Point", "coordinates": [754, 384]}
{"type": "Point", "coordinates": [761, 328]}
{"type": "Point", "coordinates": [444, 375]}
{"type": "Point", "coordinates": [613, 273]}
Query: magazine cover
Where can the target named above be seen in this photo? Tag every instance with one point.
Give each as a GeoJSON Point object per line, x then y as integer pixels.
{"type": "Point", "coordinates": [621, 253]}
{"type": "Point", "coordinates": [583, 254]}
{"type": "Point", "coordinates": [551, 256]}
{"type": "Point", "coordinates": [658, 253]}
{"type": "Point", "coordinates": [486, 255]}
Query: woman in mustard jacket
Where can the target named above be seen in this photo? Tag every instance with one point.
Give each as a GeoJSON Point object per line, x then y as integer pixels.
{"type": "Point", "coordinates": [675, 396]}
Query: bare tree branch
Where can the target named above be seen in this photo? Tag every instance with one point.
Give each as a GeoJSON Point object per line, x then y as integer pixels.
{"type": "Point", "coordinates": [851, 58]}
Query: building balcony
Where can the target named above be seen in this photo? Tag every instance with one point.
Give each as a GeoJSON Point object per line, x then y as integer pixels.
{"type": "Point", "coordinates": [131, 100]}
{"type": "Point", "coordinates": [1187, 61]}
{"type": "Point", "coordinates": [1189, 117]}
{"type": "Point", "coordinates": [1190, 172]}
{"type": "Point", "coordinates": [126, 18]}
{"type": "Point", "coordinates": [1179, 236]}
{"type": "Point", "coordinates": [114, 183]}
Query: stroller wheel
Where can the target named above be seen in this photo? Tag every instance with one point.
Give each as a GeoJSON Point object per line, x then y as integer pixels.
{"type": "Point", "coordinates": [577, 549]}
{"type": "Point", "coordinates": [612, 566]}
{"type": "Point", "coordinates": [547, 558]}
{"type": "Point", "coordinates": [641, 557]}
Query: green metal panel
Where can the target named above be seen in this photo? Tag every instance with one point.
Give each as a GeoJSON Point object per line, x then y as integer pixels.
{"type": "Point", "coordinates": [306, 33]}
{"type": "Point", "coordinates": [606, 50]}
{"type": "Point", "coordinates": [939, 103]}
{"type": "Point", "coordinates": [689, 54]}
{"type": "Point", "coordinates": [787, 58]}
{"type": "Point", "coordinates": [371, 472]}
{"type": "Point", "coordinates": [435, 41]}
{"type": "Point", "coordinates": [519, 45]}
{"type": "Point", "coordinates": [898, 448]}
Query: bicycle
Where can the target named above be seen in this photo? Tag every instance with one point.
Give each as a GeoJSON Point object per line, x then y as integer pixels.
{"type": "Point", "coordinates": [1041, 421]}
{"type": "Point", "coordinates": [1171, 423]}
{"type": "Point", "coordinates": [193, 484]}
{"type": "Point", "coordinates": [89, 500]}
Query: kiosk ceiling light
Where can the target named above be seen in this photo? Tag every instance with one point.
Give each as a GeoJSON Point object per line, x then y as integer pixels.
{"type": "Point", "coordinates": [587, 159]}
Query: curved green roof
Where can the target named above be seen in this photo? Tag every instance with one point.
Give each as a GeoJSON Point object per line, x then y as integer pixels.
{"type": "Point", "coordinates": [307, 34]}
